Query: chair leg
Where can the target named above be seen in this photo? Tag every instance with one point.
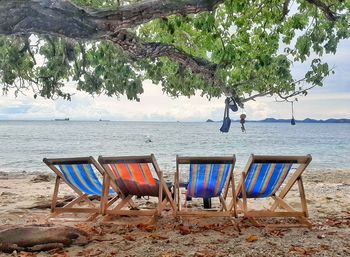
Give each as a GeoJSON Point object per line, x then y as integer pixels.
{"type": "Point", "coordinates": [281, 202]}
{"type": "Point", "coordinates": [105, 193]}
{"type": "Point", "coordinates": [244, 194]}
{"type": "Point", "coordinates": [55, 194]}
{"type": "Point", "coordinates": [223, 203]}
{"type": "Point", "coordinates": [303, 197]}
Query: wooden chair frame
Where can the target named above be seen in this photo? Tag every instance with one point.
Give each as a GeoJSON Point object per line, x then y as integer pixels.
{"type": "Point", "coordinates": [93, 209]}
{"type": "Point", "coordinates": [224, 211]}
{"type": "Point", "coordinates": [127, 199]}
{"type": "Point", "coordinates": [278, 200]}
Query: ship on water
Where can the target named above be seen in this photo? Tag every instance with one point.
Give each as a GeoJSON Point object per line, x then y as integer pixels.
{"type": "Point", "coordinates": [65, 119]}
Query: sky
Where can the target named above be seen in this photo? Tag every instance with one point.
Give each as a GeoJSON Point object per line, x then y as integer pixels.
{"type": "Point", "coordinates": [330, 101]}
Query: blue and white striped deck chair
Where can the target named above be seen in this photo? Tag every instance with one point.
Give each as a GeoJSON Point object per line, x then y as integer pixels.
{"type": "Point", "coordinates": [209, 177]}
{"type": "Point", "coordinates": [272, 177]}
{"type": "Point", "coordinates": [85, 177]}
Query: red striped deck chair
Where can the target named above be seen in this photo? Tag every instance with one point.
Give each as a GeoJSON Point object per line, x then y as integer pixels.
{"type": "Point", "coordinates": [85, 177]}
{"type": "Point", "coordinates": [208, 177]}
{"type": "Point", "coordinates": [133, 177]}
{"type": "Point", "coordinates": [273, 177]}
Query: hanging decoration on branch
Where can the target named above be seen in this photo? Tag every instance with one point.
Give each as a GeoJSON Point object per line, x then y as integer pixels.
{"type": "Point", "coordinates": [242, 121]}
{"type": "Point", "coordinates": [292, 121]}
{"type": "Point", "coordinates": [230, 103]}
{"type": "Point", "coordinates": [226, 122]}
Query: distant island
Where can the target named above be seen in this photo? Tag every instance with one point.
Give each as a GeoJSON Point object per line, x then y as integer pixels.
{"type": "Point", "coordinates": [307, 120]}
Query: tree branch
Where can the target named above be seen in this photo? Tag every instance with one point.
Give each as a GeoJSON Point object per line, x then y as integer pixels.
{"type": "Point", "coordinates": [285, 8]}
{"type": "Point", "coordinates": [62, 18]}
{"type": "Point", "coordinates": [325, 9]}
{"type": "Point", "coordinates": [142, 12]}
{"type": "Point", "coordinates": [138, 49]}
{"type": "Point", "coordinates": [247, 99]}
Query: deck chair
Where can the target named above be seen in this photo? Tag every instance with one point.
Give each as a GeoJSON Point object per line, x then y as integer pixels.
{"type": "Point", "coordinates": [209, 177]}
{"type": "Point", "coordinates": [133, 177]}
{"type": "Point", "coordinates": [83, 175]}
{"type": "Point", "coordinates": [271, 177]}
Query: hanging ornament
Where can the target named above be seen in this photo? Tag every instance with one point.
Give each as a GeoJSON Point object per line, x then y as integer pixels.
{"type": "Point", "coordinates": [242, 121]}
{"type": "Point", "coordinates": [292, 121]}
{"type": "Point", "coordinates": [226, 123]}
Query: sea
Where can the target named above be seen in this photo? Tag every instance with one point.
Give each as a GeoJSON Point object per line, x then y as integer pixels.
{"type": "Point", "coordinates": [23, 144]}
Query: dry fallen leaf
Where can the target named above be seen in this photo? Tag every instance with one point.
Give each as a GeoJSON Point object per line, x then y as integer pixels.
{"type": "Point", "coordinates": [96, 253]}
{"type": "Point", "coordinates": [90, 252]}
{"type": "Point", "coordinates": [303, 251]}
{"type": "Point", "coordinates": [89, 229]}
{"type": "Point", "coordinates": [64, 254]}
{"type": "Point", "coordinates": [277, 232]}
{"type": "Point", "coordinates": [129, 238]}
{"type": "Point", "coordinates": [147, 227]}
{"type": "Point", "coordinates": [58, 253]}
{"type": "Point", "coordinates": [184, 230]}
{"type": "Point", "coordinates": [26, 254]}
{"type": "Point", "coordinates": [252, 238]}
{"type": "Point", "coordinates": [157, 236]}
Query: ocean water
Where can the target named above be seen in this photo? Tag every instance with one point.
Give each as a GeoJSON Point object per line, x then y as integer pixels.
{"type": "Point", "coordinates": [23, 144]}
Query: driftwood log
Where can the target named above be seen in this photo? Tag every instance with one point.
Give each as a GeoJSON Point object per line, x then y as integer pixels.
{"type": "Point", "coordinates": [39, 238]}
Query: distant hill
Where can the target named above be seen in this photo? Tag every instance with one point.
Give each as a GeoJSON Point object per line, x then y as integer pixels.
{"type": "Point", "coordinates": [307, 120]}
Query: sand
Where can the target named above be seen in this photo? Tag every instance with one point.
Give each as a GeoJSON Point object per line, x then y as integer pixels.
{"type": "Point", "coordinates": [327, 191]}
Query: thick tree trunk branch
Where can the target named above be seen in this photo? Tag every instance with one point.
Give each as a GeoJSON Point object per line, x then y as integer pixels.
{"type": "Point", "coordinates": [138, 49]}
{"type": "Point", "coordinates": [145, 11]}
{"type": "Point", "coordinates": [61, 17]}
{"type": "Point", "coordinates": [52, 17]}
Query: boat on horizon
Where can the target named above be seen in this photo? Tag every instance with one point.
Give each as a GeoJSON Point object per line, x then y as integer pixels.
{"type": "Point", "coordinates": [65, 119]}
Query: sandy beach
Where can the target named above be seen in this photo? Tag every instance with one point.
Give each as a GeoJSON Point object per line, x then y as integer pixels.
{"type": "Point", "coordinates": [327, 193]}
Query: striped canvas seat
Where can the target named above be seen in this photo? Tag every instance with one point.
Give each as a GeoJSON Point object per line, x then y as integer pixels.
{"type": "Point", "coordinates": [134, 179]}
{"type": "Point", "coordinates": [264, 179]}
{"type": "Point", "coordinates": [83, 177]}
{"type": "Point", "coordinates": [136, 176]}
{"type": "Point", "coordinates": [207, 180]}
{"type": "Point", "coordinates": [268, 177]}
{"type": "Point", "coordinates": [209, 177]}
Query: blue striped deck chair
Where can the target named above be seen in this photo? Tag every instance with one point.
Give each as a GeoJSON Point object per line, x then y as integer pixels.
{"type": "Point", "coordinates": [85, 177]}
{"type": "Point", "coordinates": [273, 177]}
{"type": "Point", "coordinates": [133, 177]}
{"type": "Point", "coordinates": [208, 177]}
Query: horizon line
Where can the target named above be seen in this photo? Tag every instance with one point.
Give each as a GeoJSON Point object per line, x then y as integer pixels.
{"type": "Point", "coordinates": [174, 121]}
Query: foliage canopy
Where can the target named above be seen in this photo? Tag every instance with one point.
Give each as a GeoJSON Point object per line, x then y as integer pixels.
{"type": "Point", "coordinates": [241, 48]}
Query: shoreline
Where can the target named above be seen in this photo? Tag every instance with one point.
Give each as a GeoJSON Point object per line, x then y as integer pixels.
{"type": "Point", "coordinates": [327, 198]}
